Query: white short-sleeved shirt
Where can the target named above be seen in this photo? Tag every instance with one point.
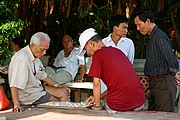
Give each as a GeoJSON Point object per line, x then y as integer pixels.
{"type": "Point", "coordinates": [125, 44]}
{"type": "Point", "coordinates": [70, 63]}
{"type": "Point", "coordinates": [25, 73]}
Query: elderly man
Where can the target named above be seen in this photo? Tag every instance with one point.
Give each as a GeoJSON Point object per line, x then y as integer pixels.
{"type": "Point", "coordinates": [26, 73]}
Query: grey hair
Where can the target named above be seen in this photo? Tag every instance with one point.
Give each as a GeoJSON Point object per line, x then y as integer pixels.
{"type": "Point", "coordinates": [37, 38]}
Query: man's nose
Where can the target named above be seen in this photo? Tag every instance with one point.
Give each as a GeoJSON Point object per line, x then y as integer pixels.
{"type": "Point", "coordinates": [44, 52]}
{"type": "Point", "coordinates": [137, 27]}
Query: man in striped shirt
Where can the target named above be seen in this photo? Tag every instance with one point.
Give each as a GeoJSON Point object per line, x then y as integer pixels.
{"type": "Point", "coordinates": [160, 62]}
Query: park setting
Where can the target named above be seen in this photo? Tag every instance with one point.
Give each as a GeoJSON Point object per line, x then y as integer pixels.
{"type": "Point", "coordinates": [61, 49]}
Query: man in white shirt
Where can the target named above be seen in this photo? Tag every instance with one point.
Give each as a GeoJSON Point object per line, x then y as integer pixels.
{"type": "Point", "coordinates": [26, 73]}
{"type": "Point", "coordinates": [119, 29]}
{"type": "Point", "coordinates": [67, 63]}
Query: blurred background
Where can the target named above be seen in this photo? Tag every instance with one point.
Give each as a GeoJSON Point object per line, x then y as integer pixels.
{"type": "Point", "coordinates": [23, 18]}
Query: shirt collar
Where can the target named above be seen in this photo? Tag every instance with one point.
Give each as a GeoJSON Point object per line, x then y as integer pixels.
{"type": "Point", "coordinates": [121, 39]}
{"type": "Point", "coordinates": [31, 56]}
{"type": "Point", "coordinates": [153, 32]}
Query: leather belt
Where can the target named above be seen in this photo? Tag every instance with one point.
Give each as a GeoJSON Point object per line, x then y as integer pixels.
{"type": "Point", "coordinates": [159, 76]}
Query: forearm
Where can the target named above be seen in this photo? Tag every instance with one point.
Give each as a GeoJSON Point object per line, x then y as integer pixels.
{"type": "Point", "coordinates": [50, 81]}
{"type": "Point", "coordinates": [15, 98]}
{"type": "Point", "coordinates": [96, 92]}
{"type": "Point", "coordinates": [82, 72]}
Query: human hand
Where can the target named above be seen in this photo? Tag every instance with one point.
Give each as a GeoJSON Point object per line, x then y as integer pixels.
{"type": "Point", "coordinates": [78, 81]}
{"type": "Point", "coordinates": [90, 100]}
{"type": "Point", "coordinates": [18, 109]}
{"type": "Point", "coordinates": [68, 91]}
{"type": "Point", "coordinates": [177, 78]}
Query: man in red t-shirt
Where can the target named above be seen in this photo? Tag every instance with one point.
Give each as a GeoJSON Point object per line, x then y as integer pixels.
{"type": "Point", "coordinates": [124, 91]}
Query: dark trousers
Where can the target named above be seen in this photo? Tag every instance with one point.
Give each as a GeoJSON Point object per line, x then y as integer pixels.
{"type": "Point", "coordinates": [162, 93]}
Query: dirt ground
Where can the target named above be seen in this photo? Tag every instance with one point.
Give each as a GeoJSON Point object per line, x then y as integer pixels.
{"type": "Point", "coordinates": [35, 113]}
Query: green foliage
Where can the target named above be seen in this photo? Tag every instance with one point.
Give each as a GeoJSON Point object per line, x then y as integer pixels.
{"type": "Point", "coordinates": [5, 53]}
{"type": "Point", "coordinates": [10, 27]}
{"type": "Point", "coordinates": [7, 9]}
{"type": "Point", "coordinates": [77, 22]}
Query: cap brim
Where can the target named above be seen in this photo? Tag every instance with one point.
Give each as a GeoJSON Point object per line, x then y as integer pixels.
{"type": "Point", "coordinates": [82, 52]}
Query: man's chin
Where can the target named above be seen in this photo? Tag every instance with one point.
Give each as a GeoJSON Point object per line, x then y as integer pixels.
{"type": "Point", "coordinates": [89, 54]}
{"type": "Point", "coordinates": [143, 33]}
{"type": "Point", "coordinates": [41, 56]}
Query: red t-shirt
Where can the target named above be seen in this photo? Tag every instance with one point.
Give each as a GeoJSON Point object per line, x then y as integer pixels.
{"type": "Point", "coordinates": [125, 91]}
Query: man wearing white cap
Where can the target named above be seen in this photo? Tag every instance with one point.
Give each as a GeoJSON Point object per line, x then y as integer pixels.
{"type": "Point", "coordinates": [124, 91]}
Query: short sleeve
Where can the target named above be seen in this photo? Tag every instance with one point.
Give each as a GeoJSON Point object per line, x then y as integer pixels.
{"type": "Point", "coordinates": [96, 66]}
{"type": "Point", "coordinates": [18, 73]}
{"type": "Point", "coordinates": [59, 57]}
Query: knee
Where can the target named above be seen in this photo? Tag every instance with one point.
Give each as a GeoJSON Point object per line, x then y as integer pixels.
{"type": "Point", "coordinates": [64, 95]}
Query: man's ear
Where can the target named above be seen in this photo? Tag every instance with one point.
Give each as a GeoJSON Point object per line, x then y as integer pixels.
{"type": "Point", "coordinates": [148, 20]}
{"type": "Point", "coordinates": [32, 45]}
{"type": "Point", "coordinates": [91, 43]}
{"type": "Point", "coordinates": [114, 28]}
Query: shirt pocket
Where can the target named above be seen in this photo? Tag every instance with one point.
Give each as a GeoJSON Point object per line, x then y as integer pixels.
{"type": "Point", "coordinates": [73, 59]}
{"type": "Point", "coordinates": [40, 72]}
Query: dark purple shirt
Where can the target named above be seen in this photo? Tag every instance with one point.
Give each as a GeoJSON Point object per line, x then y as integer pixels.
{"type": "Point", "coordinates": [159, 54]}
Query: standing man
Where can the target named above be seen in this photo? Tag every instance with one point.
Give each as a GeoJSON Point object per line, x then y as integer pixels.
{"type": "Point", "coordinates": [26, 72]}
{"type": "Point", "coordinates": [160, 62]}
{"type": "Point", "coordinates": [119, 29]}
{"type": "Point", "coordinates": [124, 91]}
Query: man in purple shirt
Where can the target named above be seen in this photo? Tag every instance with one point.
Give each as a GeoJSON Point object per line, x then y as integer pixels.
{"type": "Point", "coordinates": [160, 62]}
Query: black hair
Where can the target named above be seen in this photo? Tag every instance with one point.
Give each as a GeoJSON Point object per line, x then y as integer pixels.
{"type": "Point", "coordinates": [18, 41]}
{"type": "Point", "coordinates": [144, 14]}
{"type": "Point", "coordinates": [96, 38]}
{"type": "Point", "coordinates": [116, 20]}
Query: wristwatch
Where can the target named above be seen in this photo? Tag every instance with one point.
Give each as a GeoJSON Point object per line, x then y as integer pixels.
{"type": "Point", "coordinates": [56, 85]}
{"type": "Point", "coordinates": [97, 106]}
{"type": "Point", "coordinates": [81, 79]}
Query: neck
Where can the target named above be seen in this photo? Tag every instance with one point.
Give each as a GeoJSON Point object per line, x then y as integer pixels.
{"type": "Point", "coordinates": [151, 28]}
{"type": "Point", "coordinates": [115, 38]}
{"type": "Point", "coordinates": [100, 45]}
{"type": "Point", "coordinates": [17, 49]}
{"type": "Point", "coordinates": [68, 51]}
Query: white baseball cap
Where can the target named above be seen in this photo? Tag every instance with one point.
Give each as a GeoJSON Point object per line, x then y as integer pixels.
{"type": "Point", "coordinates": [84, 37]}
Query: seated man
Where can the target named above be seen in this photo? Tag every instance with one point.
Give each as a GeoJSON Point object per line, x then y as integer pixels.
{"type": "Point", "coordinates": [67, 63]}
{"type": "Point", "coordinates": [26, 73]}
{"type": "Point", "coordinates": [16, 44]}
{"type": "Point", "coordinates": [124, 90]}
